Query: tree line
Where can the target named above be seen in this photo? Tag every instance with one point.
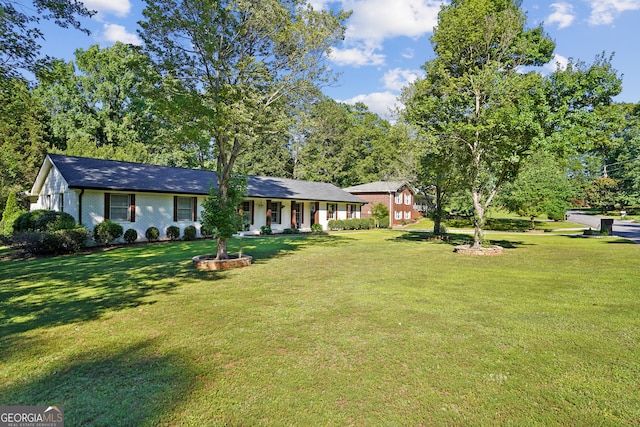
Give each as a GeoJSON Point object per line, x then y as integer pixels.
{"type": "Point", "coordinates": [237, 87]}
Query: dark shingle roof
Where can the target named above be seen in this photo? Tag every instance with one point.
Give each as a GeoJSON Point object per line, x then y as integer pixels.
{"type": "Point", "coordinates": [377, 187]}
{"type": "Point", "coordinates": [98, 174]}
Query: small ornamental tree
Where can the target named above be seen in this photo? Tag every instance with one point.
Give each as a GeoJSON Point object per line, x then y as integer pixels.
{"type": "Point", "coordinates": [379, 213]}
{"type": "Point", "coordinates": [11, 212]}
{"type": "Point", "coordinates": [221, 215]}
{"type": "Point", "coordinates": [542, 187]}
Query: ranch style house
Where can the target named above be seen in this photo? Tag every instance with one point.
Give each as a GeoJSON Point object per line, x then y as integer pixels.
{"type": "Point", "coordinates": [140, 196]}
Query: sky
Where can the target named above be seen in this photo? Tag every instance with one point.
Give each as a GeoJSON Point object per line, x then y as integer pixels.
{"type": "Point", "coordinates": [387, 41]}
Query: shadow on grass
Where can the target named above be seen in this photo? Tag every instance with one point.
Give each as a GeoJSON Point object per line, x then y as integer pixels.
{"type": "Point", "coordinates": [48, 292]}
{"type": "Point", "coordinates": [454, 239]}
{"type": "Point", "coordinates": [130, 387]}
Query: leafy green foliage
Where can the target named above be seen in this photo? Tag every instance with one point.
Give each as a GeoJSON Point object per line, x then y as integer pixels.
{"type": "Point", "coordinates": [152, 234]}
{"type": "Point", "coordinates": [21, 33]}
{"type": "Point", "coordinates": [220, 211]}
{"type": "Point", "coordinates": [24, 135]}
{"type": "Point", "coordinates": [189, 233]}
{"type": "Point", "coordinates": [265, 230]}
{"type": "Point", "coordinates": [348, 145]}
{"type": "Point", "coordinates": [11, 212]}
{"type": "Point", "coordinates": [107, 231]}
{"type": "Point", "coordinates": [316, 228]}
{"type": "Point", "coordinates": [232, 67]}
{"type": "Point", "coordinates": [27, 220]}
{"type": "Point", "coordinates": [53, 221]}
{"type": "Point", "coordinates": [351, 224]}
{"type": "Point", "coordinates": [102, 105]}
{"type": "Point", "coordinates": [130, 235]}
{"type": "Point", "coordinates": [56, 242]}
{"type": "Point", "coordinates": [173, 232]}
{"type": "Point", "coordinates": [379, 212]}
{"type": "Point", "coordinates": [542, 187]}
{"type": "Point", "coordinates": [603, 194]}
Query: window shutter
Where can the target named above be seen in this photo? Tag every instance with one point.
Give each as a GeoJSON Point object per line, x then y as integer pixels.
{"type": "Point", "coordinates": [132, 207]}
{"type": "Point", "coordinates": [253, 204]}
{"type": "Point", "coordinates": [195, 208]}
{"type": "Point", "coordinates": [268, 213]}
{"type": "Point", "coordinates": [107, 205]}
{"type": "Point", "coordinates": [175, 208]}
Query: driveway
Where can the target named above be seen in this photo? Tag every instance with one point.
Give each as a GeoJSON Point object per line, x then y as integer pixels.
{"type": "Point", "coordinates": [621, 228]}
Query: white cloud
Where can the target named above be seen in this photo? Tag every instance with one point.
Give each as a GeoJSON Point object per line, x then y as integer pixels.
{"type": "Point", "coordinates": [563, 15]}
{"type": "Point", "coordinates": [558, 62]}
{"type": "Point", "coordinates": [398, 78]}
{"type": "Point", "coordinates": [377, 20]}
{"type": "Point", "coordinates": [357, 56]}
{"type": "Point", "coordinates": [603, 12]}
{"type": "Point", "coordinates": [118, 33]}
{"type": "Point", "coordinates": [374, 21]}
{"type": "Point", "coordinates": [119, 8]}
{"type": "Point", "coordinates": [381, 103]}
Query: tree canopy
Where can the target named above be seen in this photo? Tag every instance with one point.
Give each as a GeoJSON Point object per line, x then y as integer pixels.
{"type": "Point", "coordinates": [230, 64]}
{"type": "Point", "coordinates": [20, 34]}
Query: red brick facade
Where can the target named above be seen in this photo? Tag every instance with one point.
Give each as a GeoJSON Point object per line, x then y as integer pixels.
{"type": "Point", "coordinates": [400, 205]}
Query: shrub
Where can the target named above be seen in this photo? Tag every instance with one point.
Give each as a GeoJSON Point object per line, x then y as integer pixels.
{"type": "Point", "coordinates": [53, 220]}
{"type": "Point", "coordinates": [189, 232]}
{"type": "Point", "coordinates": [206, 231]}
{"type": "Point", "coordinates": [107, 231]}
{"type": "Point", "coordinates": [27, 221]}
{"type": "Point", "coordinates": [265, 230]}
{"type": "Point", "coordinates": [152, 234]}
{"type": "Point", "coordinates": [316, 228]}
{"type": "Point", "coordinates": [383, 222]}
{"type": "Point", "coordinates": [351, 224]}
{"type": "Point", "coordinates": [130, 235]}
{"type": "Point", "coordinates": [173, 232]}
{"type": "Point", "coordinates": [51, 243]}
{"type": "Point", "coordinates": [291, 231]}
{"type": "Point", "coordinates": [11, 212]}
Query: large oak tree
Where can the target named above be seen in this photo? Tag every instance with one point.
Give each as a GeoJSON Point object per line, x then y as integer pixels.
{"type": "Point", "coordinates": [232, 62]}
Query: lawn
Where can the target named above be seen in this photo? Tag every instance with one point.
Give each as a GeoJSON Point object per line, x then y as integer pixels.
{"type": "Point", "coordinates": [500, 220]}
{"type": "Point", "coordinates": [361, 328]}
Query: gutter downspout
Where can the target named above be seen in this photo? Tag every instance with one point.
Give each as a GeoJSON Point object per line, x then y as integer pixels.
{"type": "Point", "coordinates": [80, 206]}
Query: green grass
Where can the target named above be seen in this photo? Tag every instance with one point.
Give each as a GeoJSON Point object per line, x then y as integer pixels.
{"type": "Point", "coordinates": [499, 221]}
{"type": "Point", "coordinates": [359, 328]}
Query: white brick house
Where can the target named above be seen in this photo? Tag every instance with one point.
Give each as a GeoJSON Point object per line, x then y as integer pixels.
{"type": "Point", "coordinates": [139, 196]}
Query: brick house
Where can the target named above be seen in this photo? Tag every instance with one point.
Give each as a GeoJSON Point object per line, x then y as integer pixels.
{"type": "Point", "coordinates": [397, 196]}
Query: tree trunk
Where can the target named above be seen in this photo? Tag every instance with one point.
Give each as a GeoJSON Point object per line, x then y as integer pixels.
{"type": "Point", "coordinates": [478, 219]}
{"type": "Point", "coordinates": [222, 249]}
{"type": "Point", "coordinates": [437, 217]}
{"type": "Point", "coordinates": [533, 223]}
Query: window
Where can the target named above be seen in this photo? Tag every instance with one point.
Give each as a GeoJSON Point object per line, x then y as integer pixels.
{"type": "Point", "coordinates": [351, 211]}
{"type": "Point", "coordinates": [246, 210]}
{"type": "Point", "coordinates": [407, 215]}
{"type": "Point", "coordinates": [119, 207]}
{"type": "Point", "coordinates": [61, 202]}
{"type": "Point", "coordinates": [331, 210]}
{"type": "Point", "coordinates": [398, 198]}
{"type": "Point", "coordinates": [397, 214]}
{"type": "Point", "coordinates": [275, 212]}
{"type": "Point", "coordinates": [184, 208]}
{"type": "Point", "coordinates": [407, 199]}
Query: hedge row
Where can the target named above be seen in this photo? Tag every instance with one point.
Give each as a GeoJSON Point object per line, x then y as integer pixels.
{"type": "Point", "coordinates": [352, 224]}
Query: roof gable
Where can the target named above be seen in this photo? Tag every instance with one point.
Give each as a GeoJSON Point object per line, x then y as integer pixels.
{"type": "Point", "coordinates": [380, 187]}
{"type": "Point", "coordinates": [98, 174]}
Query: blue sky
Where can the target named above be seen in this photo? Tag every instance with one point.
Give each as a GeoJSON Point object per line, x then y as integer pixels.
{"type": "Point", "coordinates": [387, 41]}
